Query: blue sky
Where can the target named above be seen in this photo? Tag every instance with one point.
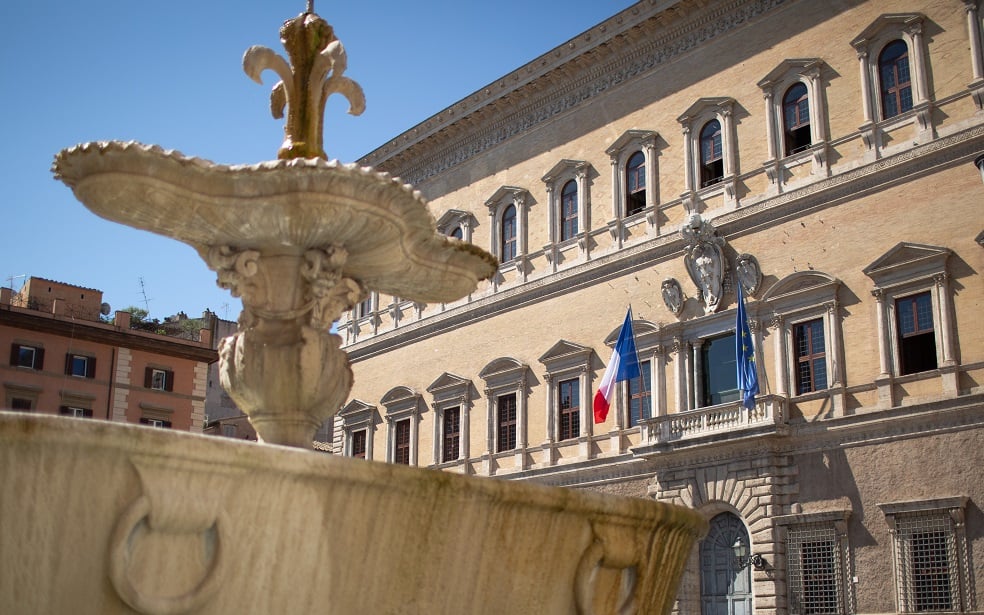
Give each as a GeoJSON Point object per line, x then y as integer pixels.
{"type": "Point", "coordinates": [170, 73]}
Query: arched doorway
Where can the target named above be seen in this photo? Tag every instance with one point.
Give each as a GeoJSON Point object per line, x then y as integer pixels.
{"type": "Point", "coordinates": [725, 587]}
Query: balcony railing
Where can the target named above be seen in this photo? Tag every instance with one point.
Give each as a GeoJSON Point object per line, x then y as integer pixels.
{"type": "Point", "coordinates": [731, 419]}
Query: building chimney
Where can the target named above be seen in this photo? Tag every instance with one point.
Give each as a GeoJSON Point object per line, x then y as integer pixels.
{"type": "Point", "coordinates": [122, 320]}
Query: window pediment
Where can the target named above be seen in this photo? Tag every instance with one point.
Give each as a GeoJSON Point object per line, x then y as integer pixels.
{"type": "Point", "coordinates": [803, 287]}
{"type": "Point", "coordinates": [453, 218]}
{"type": "Point", "coordinates": [355, 407]}
{"type": "Point", "coordinates": [401, 399]}
{"type": "Point", "coordinates": [564, 168]}
{"type": "Point", "coordinates": [632, 137]}
{"type": "Point", "coordinates": [891, 20]}
{"type": "Point", "coordinates": [640, 328]}
{"type": "Point", "coordinates": [511, 194]}
{"type": "Point", "coordinates": [906, 261]}
{"type": "Point", "coordinates": [787, 68]}
{"type": "Point", "coordinates": [564, 354]}
{"type": "Point", "coordinates": [707, 105]}
{"type": "Point", "coordinates": [449, 386]}
{"type": "Point", "coordinates": [504, 371]}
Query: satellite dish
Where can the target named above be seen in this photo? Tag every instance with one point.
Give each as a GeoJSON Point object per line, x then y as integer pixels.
{"type": "Point", "coordinates": [104, 309]}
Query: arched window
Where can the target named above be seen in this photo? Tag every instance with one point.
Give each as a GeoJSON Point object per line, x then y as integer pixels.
{"type": "Point", "coordinates": [635, 184]}
{"type": "Point", "coordinates": [457, 233]}
{"type": "Point", "coordinates": [507, 247]}
{"type": "Point", "coordinates": [895, 82]}
{"type": "Point", "coordinates": [711, 154]}
{"type": "Point", "coordinates": [796, 119]}
{"type": "Point", "coordinates": [568, 211]}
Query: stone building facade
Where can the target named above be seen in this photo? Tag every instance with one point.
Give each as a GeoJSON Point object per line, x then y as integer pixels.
{"type": "Point", "coordinates": [64, 359]}
{"type": "Point", "coordinates": [819, 154]}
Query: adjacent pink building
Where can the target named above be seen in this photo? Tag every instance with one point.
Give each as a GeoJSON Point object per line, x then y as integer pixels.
{"type": "Point", "coordinates": [64, 359]}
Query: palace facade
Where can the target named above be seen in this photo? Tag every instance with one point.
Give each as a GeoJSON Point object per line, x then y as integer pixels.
{"type": "Point", "coordinates": [819, 154]}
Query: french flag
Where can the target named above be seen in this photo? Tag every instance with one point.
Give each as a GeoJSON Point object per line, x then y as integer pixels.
{"type": "Point", "coordinates": [623, 366]}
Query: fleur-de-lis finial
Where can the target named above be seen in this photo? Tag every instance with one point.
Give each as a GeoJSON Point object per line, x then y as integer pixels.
{"type": "Point", "coordinates": [317, 64]}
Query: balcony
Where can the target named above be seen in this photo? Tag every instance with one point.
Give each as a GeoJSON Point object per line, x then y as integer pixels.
{"type": "Point", "coordinates": [712, 424]}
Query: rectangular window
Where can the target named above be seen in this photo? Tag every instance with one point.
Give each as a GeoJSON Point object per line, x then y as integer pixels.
{"type": "Point", "coordinates": [80, 366]}
{"type": "Point", "coordinates": [359, 444]}
{"type": "Point", "coordinates": [76, 412]}
{"type": "Point", "coordinates": [506, 422]}
{"type": "Point", "coordinates": [401, 442]}
{"type": "Point", "coordinates": [19, 403]}
{"type": "Point", "coordinates": [569, 393]}
{"type": "Point", "coordinates": [811, 358]}
{"type": "Point", "coordinates": [452, 435]}
{"type": "Point", "coordinates": [917, 338]}
{"type": "Point", "coordinates": [229, 431]}
{"type": "Point", "coordinates": [719, 367]}
{"type": "Point", "coordinates": [159, 379]}
{"type": "Point", "coordinates": [641, 395]}
{"type": "Point", "coordinates": [152, 422]}
{"type": "Point", "coordinates": [814, 570]}
{"type": "Point", "coordinates": [926, 563]}
{"type": "Point", "coordinates": [30, 357]}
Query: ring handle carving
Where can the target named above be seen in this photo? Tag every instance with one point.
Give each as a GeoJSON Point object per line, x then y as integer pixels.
{"type": "Point", "coordinates": [119, 563]}
{"type": "Point", "coordinates": [591, 562]}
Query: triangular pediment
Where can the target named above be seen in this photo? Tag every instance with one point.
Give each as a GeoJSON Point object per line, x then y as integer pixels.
{"type": "Point", "coordinates": [787, 67]}
{"type": "Point", "coordinates": [356, 406]}
{"type": "Point", "coordinates": [448, 381]}
{"type": "Point", "coordinates": [506, 193]}
{"type": "Point", "coordinates": [907, 260]}
{"type": "Point", "coordinates": [717, 103]}
{"type": "Point", "coordinates": [564, 167]}
{"type": "Point", "coordinates": [453, 217]}
{"type": "Point", "coordinates": [630, 137]}
{"type": "Point", "coordinates": [890, 20]}
{"type": "Point", "coordinates": [564, 350]}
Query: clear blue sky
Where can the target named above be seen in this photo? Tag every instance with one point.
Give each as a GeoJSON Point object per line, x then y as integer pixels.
{"type": "Point", "coordinates": [170, 73]}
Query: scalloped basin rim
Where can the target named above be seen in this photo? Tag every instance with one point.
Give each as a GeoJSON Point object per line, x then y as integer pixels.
{"type": "Point", "coordinates": [283, 205]}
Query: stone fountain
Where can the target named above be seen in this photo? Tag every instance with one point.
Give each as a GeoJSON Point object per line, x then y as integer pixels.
{"type": "Point", "coordinates": [110, 518]}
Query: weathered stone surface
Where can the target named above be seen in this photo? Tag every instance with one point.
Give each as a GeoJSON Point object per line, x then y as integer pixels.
{"type": "Point", "coordinates": [105, 518]}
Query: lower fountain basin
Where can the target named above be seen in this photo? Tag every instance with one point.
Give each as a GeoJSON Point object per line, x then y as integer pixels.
{"type": "Point", "coordinates": [104, 518]}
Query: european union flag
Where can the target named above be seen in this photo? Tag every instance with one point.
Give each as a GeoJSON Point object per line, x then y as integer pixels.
{"type": "Point", "coordinates": [748, 380]}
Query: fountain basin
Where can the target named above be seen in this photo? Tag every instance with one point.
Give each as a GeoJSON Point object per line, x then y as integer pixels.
{"type": "Point", "coordinates": [104, 518]}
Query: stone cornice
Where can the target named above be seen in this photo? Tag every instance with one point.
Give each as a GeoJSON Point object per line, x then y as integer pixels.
{"type": "Point", "coordinates": [941, 153]}
{"type": "Point", "coordinates": [109, 335]}
{"type": "Point", "coordinates": [623, 48]}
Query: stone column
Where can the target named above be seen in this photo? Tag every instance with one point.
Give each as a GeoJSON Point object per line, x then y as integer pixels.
{"type": "Point", "coordinates": [688, 156]}
{"type": "Point", "coordinates": [869, 116]}
{"type": "Point", "coordinates": [698, 372]}
{"type": "Point", "coordinates": [974, 35]}
{"type": "Point", "coordinates": [770, 124]}
{"type": "Point", "coordinates": [649, 151]}
{"type": "Point", "coordinates": [781, 361]}
{"type": "Point", "coordinates": [917, 69]}
{"type": "Point", "coordinates": [680, 383]}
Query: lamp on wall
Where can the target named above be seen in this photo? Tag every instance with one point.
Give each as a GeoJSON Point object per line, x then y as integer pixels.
{"type": "Point", "coordinates": [979, 163]}
{"type": "Point", "coordinates": [743, 559]}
